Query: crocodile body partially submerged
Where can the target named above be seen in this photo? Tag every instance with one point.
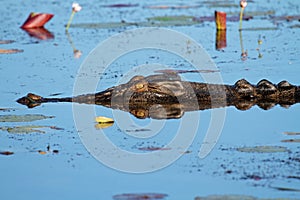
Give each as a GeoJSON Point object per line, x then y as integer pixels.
{"type": "Point", "coordinates": [167, 96]}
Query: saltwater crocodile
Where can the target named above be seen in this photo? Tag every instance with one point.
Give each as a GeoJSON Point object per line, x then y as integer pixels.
{"type": "Point", "coordinates": [167, 96]}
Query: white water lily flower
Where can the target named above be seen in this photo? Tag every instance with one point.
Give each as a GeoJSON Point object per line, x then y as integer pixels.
{"type": "Point", "coordinates": [243, 3]}
{"type": "Point", "coordinates": [76, 7]}
{"type": "Point", "coordinates": [77, 53]}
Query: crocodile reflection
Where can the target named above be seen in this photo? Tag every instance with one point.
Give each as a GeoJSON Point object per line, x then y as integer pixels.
{"type": "Point", "coordinates": [166, 96]}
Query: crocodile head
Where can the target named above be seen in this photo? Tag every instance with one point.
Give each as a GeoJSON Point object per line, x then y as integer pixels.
{"type": "Point", "coordinates": [148, 89]}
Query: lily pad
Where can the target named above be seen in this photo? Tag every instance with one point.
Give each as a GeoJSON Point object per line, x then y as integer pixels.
{"type": "Point", "coordinates": [10, 51]}
{"type": "Point", "coordinates": [23, 118]}
{"type": "Point", "coordinates": [7, 109]}
{"type": "Point", "coordinates": [260, 29]}
{"type": "Point", "coordinates": [121, 5]}
{"type": "Point", "coordinates": [226, 197]}
{"type": "Point", "coordinates": [153, 23]}
{"type": "Point", "coordinates": [172, 6]}
{"type": "Point", "coordinates": [254, 13]}
{"type": "Point", "coordinates": [6, 153]}
{"type": "Point", "coordinates": [171, 18]}
{"type": "Point", "coordinates": [26, 129]}
{"type": "Point", "coordinates": [153, 149]}
{"type": "Point", "coordinates": [263, 149]}
{"type": "Point", "coordinates": [291, 140]}
{"type": "Point", "coordinates": [103, 125]}
{"type": "Point", "coordinates": [291, 133]}
{"type": "Point", "coordinates": [140, 196]}
{"type": "Point", "coordinates": [6, 41]}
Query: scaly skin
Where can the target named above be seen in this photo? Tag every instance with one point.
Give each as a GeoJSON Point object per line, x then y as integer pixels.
{"type": "Point", "coordinates": [167, 96]}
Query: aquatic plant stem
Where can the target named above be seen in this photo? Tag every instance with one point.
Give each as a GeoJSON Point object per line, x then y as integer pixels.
{"type": "Point", "coordinates": [241, 18]}
{"type": "Point", "coordinates": [70, 20]}
{"type": "Point", "coordinates": [244, 53]}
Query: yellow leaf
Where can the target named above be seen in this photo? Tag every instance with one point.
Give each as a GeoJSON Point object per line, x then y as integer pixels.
{"type": "Point", "coordinates": [42, 152]}
{"type": "Point", "coordinates": [103, 125]}
{"type": "Point", "coordinates": [104, 120]}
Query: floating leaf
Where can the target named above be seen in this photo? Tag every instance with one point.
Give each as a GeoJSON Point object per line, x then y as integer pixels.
{"type": "Point", "coordinates": [55, 151]}
{"type": "Point", "coordinates": [36, 20]}
{"type": "Point", "coordinates": [172, 6]}
{"type": "Point", "coordinates": [286, 18]}
{"type": "Point", "coordinates": [6, 153]}
{"type": "Point", "coordinates": [7, 109]}
{"type": "Point", "coordinates": [171, 18]}
{"type": "Point", "coordinates": [138, 24]}
{"type": "Point", "coordinates": [291, 133]}
{"type": "Point", "coordinates": [284, 188]}
{"type": "Point", "coordinates": [228, 18]}
{"type": "Point", "coordinates": [295, 26]}
{"type": "Point", "coordinates": [10, 51]}
{"type": "Point", "coordinates": [254, 13]}
{"type": "Point", "coordinates": [263, 149]}
{"type": "Point", "coordinates": [39, 33]}
{"type": "Point", "coordinates": [102, 119]}
{"type": "Point", "coordinates": [173, 71]}
{"type": "Point", "coordinates": [6, 41]}
{"type": "Point", "coordinates": [226, 197]}
{"type": "Point", "coordinates": [153, 149]}
{"type": "Point", "coordinates": [42, 152]}
{"type": "Point", "coordinates": [25, 129]}
{"type": "Point", "coordinates": [23, 118]}
{"type": "Point", "coordinates": [141, 196]}
{"type": "Point", "coordinates": [103, 125]}
{"type": "Point", "coordinates": [138, 130]}
{"type": "Point", "coordinates": [260, 29]}
{"type": "Point", "coordinates": [291, 140]}
{"type": "Point", "coordinates": [220, 4]}
{"type": "Point", "coordinates": [294, 177]}
{"type": "Point", "coordinates": [121, 5]}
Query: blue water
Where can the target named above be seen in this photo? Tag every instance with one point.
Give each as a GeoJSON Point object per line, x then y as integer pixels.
{"type": "Point", "coordinates": [48, 66]}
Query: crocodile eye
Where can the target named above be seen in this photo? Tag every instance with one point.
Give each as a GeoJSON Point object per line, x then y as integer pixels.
{"type": "Point", "coordinates": [140, 114]}
{"type": "Point", "coordinates": [139, 86]}
{"type": "Point", "coordinates": [34, 97]}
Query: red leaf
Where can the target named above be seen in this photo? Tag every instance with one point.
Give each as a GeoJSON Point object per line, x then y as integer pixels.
{"type": "Point", "coordinates": [39, 33]}
{"type": "Point", "coordinates": [36, 20]}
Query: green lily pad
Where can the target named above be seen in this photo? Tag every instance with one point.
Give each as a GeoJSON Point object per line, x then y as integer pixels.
{"type": "Point", "coordinates": [171, 18]}
{"type": "Point", "coordinates": [27, 129]}
{"type": "Point", "coordinates": [254, 13]}
{"type": "Point", "coordinates": [260, 29]}
{"type": "Point", "coordinates": [23, 118]}
{"type": "Point", "coordinates": [158, 21]}
{"type": "Point", "coordinates": [263, 149]}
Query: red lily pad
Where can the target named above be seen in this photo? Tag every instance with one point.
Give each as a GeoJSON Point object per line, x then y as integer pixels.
{"type": "Point", "coordinates": [6, 153]}
{"type": "Point", "coordinates": [39, 33]}
{"type": "Point", "coordinates": [36, 20]}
